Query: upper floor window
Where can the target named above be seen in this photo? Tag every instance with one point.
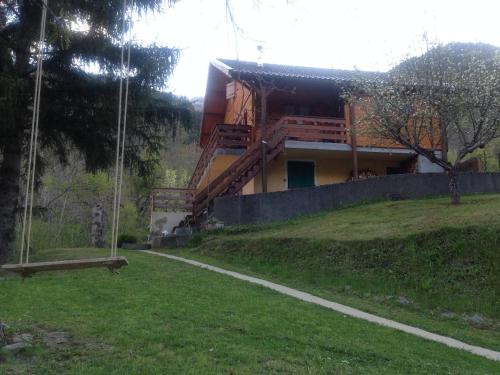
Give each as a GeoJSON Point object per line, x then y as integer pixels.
{"type": "Point", "coordinates": [298, 110]}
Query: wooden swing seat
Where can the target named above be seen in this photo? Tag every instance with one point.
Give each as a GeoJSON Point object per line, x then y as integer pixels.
{"type": "Point", "coordinates": [28, 269]}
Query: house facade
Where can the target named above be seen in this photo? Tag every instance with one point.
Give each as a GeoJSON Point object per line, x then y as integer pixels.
{"type": "Point", "coordinates": [268, 127]}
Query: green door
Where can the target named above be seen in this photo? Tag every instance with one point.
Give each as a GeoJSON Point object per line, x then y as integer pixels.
{"type": "Point", "coordinates": [300, 174]}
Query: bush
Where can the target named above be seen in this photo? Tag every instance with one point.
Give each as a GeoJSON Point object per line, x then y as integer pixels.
{"type": "Point", "coordinates": [50, 235]}
{"type": "Point", "coordinates": [126, 238]}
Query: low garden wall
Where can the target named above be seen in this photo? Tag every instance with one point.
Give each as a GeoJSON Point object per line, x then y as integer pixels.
{"type": "Point", "coordinates": [283, 205]}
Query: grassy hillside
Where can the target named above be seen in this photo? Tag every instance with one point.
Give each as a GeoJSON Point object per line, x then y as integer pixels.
{"type": "Point", "coordinates": [421, 262]}
{"type": "Point", "coordinates": [164, 317]}
{"type": "Point", "coordinates": [424, 262]}
{"type": "Point", "coordinates": [384, 220]}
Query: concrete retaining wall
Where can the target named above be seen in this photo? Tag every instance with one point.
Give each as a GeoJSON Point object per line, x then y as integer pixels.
{"type": "Point", "coordinates": [165, 221]}
{"type": "Point", "coordinates": [283, 205]}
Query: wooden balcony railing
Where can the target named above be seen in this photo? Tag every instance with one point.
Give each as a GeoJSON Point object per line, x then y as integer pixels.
{"type": "Point", "coordinates": [172, 200]}
{"type": "Point", "coordinates": [315, 129]}
{"type": "Point", "coordinates": [223, 136]}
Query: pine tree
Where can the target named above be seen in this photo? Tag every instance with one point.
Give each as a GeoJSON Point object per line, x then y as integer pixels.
{"type": "Point", "coordinates": [79, 92]}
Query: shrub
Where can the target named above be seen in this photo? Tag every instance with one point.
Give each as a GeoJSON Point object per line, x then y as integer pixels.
{"type": "Point", "coordinates": [126, 238]}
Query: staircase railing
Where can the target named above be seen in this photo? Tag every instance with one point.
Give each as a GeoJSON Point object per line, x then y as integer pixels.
{"type": "Point", "coordinates": [228, 136]}
{"type": "Point", "coordinates": [242, 170]}
{"type": "Point", "coordinates": [249, 164]}
{"type": "Point", "coordinates": [172, 199]}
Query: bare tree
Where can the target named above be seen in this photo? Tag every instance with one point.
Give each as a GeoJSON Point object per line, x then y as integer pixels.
{"type": "Point", "coordinates": [451, 90]}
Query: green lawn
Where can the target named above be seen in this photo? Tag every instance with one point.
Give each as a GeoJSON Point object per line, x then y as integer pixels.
{"type": "Point", "coordinates": [164, 317]}
{"type": "Point", "coordinates": [445, 260]}
{"type": "Point", "coordinates": [396, 219]}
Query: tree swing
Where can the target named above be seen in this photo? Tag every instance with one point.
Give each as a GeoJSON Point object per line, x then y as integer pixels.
{"type": "Point", "coordinates": [26, 269]}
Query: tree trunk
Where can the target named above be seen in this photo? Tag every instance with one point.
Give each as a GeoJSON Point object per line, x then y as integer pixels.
{"type": "Point", "coordinates": [453, 186]}
{"type": "Point", "coordinates": [10, 171]}
{"type": "Point", "coordinates": [97, 232]}
{"type": "Point", "coordinates": [3, 334]}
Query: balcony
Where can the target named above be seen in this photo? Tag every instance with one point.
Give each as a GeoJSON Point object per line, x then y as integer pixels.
{"type": "Point", "coordinates": [172, 200]}
{"type": "Point", "coordinates": [240, 137]}
{"type": "Point", "coordinates": [226, 136]}
{"type": "Point", "coordinates": [314, 129]}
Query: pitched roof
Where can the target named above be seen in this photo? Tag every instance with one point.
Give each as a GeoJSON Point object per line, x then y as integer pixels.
{"type": "Point", "coordinates": [245, 69]}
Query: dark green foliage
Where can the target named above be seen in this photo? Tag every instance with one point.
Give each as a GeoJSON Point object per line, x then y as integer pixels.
{"type": "Point", "coordinates": [79, 95]}
{"type": "Point", "coordinates": [79, 105]}
{"type": "Point", "coordinates": [126, 238]}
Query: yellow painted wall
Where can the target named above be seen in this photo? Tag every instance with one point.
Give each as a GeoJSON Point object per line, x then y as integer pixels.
{"type": "Point", "coordinates": [332, 171]}
{"type": "Point", "coordinates": [237, 106]}
{"type": "Point", "coordinates": [218, 164]}
{"type": "Point", "coordinates": [275, 176]}
{"type": "Point", "coordinates": [249, 188]}
{"type": "Point", "coordinates": [328, 170]}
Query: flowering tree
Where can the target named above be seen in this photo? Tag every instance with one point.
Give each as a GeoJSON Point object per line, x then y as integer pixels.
{"type": "Point", "coordinates": [451, 91]}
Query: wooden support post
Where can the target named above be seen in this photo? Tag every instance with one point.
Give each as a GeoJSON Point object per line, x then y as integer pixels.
{"type": "Point", "coordinates": [351, 123]}
{"type": "Point", "coordinates": [263, 121]}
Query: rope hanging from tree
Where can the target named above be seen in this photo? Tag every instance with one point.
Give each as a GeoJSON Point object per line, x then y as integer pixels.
{"type": "Point", "coordinates": [119, 167]}
{"type": "Point", "coordinates": [30, 178]}
{"type": "Point", "coordinates": [121, 132]}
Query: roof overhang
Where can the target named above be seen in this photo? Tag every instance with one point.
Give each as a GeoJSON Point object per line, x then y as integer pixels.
{"type": "Point", "coordinates": [226, 69]}
{"type": "Point", "coordinates": [222, 71]}
{"type": "Point", "coordinates": [215, 98]}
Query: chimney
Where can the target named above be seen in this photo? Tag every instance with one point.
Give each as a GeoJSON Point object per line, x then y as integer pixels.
{"type": "Point", "coordinates": [260, 58]}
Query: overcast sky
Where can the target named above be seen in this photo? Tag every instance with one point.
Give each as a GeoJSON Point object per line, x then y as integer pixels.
{"type": "Point", "coordinates": [362, 34]}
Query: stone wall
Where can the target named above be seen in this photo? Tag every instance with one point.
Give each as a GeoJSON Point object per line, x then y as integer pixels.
{"type": "Point", "coordinates": [283, 205]}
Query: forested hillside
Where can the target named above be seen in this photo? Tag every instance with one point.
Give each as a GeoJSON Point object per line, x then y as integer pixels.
{"type": "Point", "coordinates": [67, 193]}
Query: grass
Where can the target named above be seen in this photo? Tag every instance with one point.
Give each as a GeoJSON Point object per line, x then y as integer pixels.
{"type": "Point", "coordinates": [160, 316]}
{"type": "Point", "coordinates": [397, 219]}
{"type": "Point", "coordinates": [445, 260]}
{"type": "Point", "coordinates": [50, 235]}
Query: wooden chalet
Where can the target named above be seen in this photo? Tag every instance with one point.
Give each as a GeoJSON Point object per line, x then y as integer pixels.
{"type": "Point", "coordinates": [268, 127]}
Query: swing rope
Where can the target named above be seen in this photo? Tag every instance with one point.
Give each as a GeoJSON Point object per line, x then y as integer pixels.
{"type": "Point", "coordinates": [30, 178]}
{"type": "Point", "coordinates": [120, 143]}
{"type": "Point", "coordinates": [121, 132]}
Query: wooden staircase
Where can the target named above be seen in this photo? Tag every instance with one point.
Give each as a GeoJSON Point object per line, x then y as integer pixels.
{"type": "Point", "coordinates": [223, 136]}
{"type": "Point", "coordinates": [249, 163]}
{"type": "Point", "coordinates": [242, 170]}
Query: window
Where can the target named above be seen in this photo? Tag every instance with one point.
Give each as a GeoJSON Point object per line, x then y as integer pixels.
{"type": "Point", "coordinates": [298, 110]}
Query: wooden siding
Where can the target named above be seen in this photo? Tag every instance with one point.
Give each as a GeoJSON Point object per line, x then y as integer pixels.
{"type": "Point", "coordinates": [239, 108]}
{"type": "Point", "coordinates": [368, 137]}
